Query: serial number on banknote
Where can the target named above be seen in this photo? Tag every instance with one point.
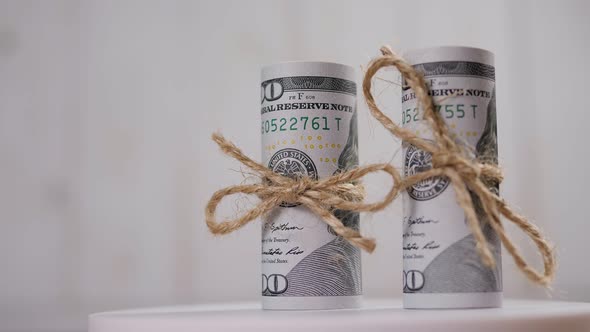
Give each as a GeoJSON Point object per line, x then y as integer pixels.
{"type": "Point", "coordinates": [450, 111]}
{"type": "Point", "coordinates": [300, 123]}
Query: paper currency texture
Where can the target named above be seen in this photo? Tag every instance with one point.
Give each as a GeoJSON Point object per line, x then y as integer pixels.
{"type": "Point", "coordinates": [442, 268]}
{"type": "Point", "coordinates": [308, 128]}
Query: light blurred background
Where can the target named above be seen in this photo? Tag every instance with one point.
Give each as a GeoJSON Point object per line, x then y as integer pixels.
{"type": "Point", "coordinates": [106, 108]}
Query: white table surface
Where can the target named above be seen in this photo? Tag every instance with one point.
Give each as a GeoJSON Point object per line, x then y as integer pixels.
{"type": "Point", "coordinates": [376, 315]}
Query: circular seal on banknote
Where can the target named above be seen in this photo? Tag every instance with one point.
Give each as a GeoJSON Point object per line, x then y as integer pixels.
{"type": "Point", "coordinates": [293, 163]}
{"type": "Point", "coordinates": [417, 161]}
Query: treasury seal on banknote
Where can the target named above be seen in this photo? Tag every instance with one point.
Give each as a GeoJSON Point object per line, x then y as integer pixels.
{"type": "Point", "coordinates": [417, 161]}
{"type": "Point", "coordinates": [293, 163]}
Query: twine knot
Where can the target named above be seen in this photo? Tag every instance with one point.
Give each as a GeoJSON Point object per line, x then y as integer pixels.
{"type": "Point", "coordinates": [464, 167]}
{"type": "Point", "coordinates": [468, 176]}
{"type": "Point", "coordinates": [339, 191]}
{"type": "Point", "coordinates": [293, 190]}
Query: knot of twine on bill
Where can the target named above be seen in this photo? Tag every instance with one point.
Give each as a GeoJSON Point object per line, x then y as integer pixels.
{"type": "Point", "coordinates": [466, 174]}
{"type": "Point", "coordinates": [322, 197]}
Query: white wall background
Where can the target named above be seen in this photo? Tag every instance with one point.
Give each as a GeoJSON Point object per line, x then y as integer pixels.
{"type": "Point", "coordinates": [106, 108]}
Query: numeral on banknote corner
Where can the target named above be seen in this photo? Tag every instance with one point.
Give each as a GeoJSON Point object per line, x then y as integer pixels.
{"type": "Point", "coordinates": [413, 280]}
{"type": "Point", "coordinates": [272, 91]}
{"type": "Point", "coordinates": [275, 284]}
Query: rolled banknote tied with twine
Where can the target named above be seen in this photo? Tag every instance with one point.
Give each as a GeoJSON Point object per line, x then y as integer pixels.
{"type": "Point", "coordinates": [340, 191]}
{"type": "Point", "coordinates": [451, 160]}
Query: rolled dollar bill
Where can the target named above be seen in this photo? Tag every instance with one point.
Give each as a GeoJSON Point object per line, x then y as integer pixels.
{"type": "Point", "coordinates": [309, 129]}
{"type": "Point", "coordinates": [442, 268]}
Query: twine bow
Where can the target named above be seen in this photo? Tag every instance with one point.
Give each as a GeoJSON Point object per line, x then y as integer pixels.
{"type": "Point", "coordinates": [322, 196]}
{"type": "Point", "coordinates": [465, 174]}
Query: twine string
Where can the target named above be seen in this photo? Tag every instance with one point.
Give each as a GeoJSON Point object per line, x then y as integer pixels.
{"type": "Point", "coordinates": [339, 191]}
{"type": "Point", "coordinates": [466, 174]}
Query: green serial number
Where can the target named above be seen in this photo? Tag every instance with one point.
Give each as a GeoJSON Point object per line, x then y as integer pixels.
{"type": "Point", "coordinates": [300, 123]}
{"type": "Point", "coordinates": [457, 111]}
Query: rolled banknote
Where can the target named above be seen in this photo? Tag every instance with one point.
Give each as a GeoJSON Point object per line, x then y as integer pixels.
{"type": "Point", "coordinates": [442, 268]}
{"type": "Point", "coordinates": [309, 129]}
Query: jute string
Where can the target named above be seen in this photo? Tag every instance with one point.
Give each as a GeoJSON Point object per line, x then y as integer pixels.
{"type": "Point", "coordinates": [339, 191]}
{"type": "Point", "coordinates": [465, 174]}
